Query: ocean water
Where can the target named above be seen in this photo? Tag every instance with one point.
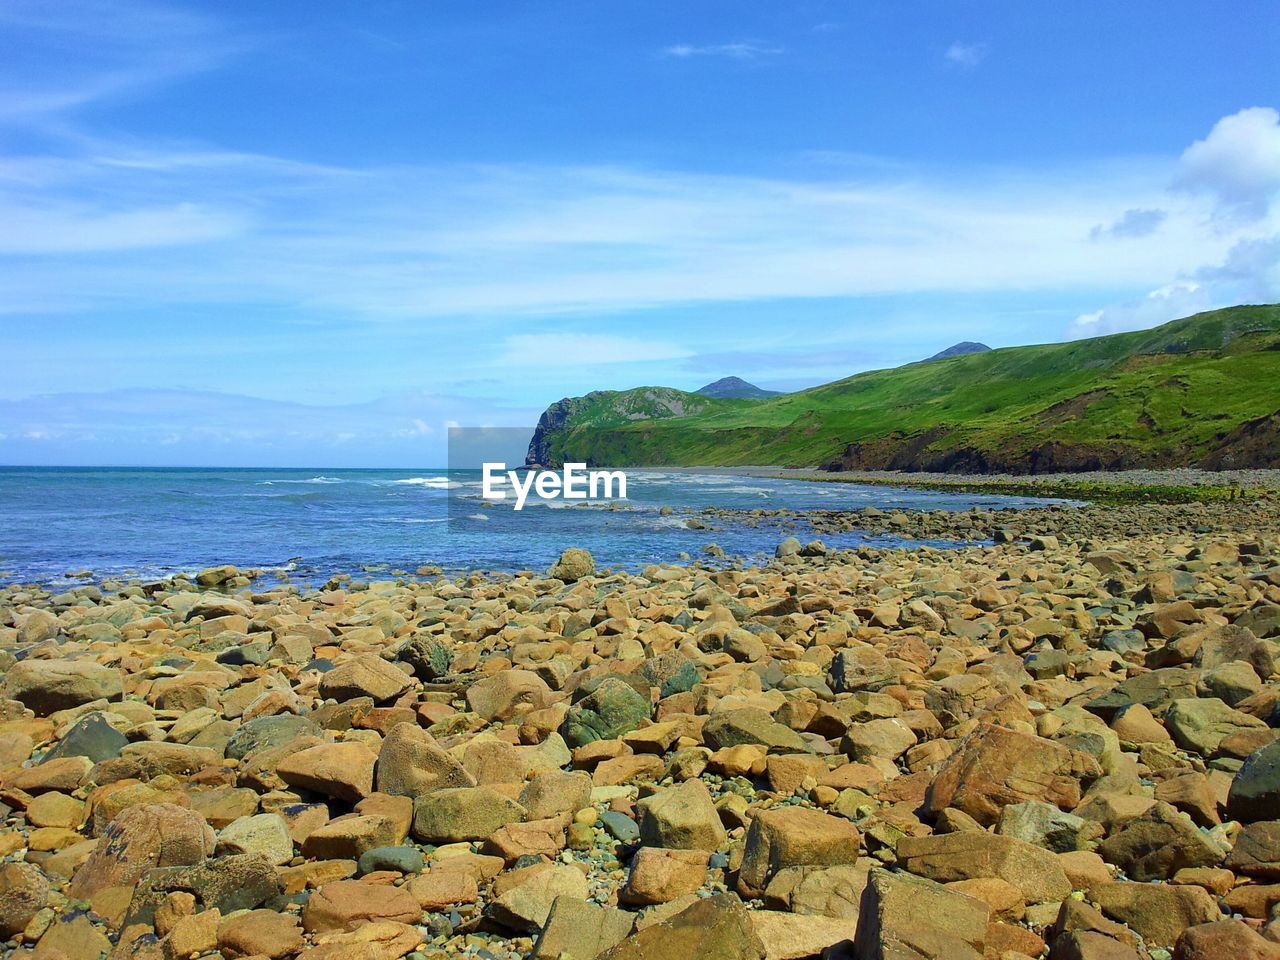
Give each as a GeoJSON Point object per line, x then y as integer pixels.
{"type": "Point", "coordinates": [312, 523]}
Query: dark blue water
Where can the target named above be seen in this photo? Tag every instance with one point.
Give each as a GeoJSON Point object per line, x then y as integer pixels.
{"type": "Point", "coordinates": [155, 522]}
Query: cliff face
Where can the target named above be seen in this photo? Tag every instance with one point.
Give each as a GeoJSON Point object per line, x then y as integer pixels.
{"type": "Point", "coordinates": [551, 424]}
{"type": "Point", "coordinates": [1201, 391]}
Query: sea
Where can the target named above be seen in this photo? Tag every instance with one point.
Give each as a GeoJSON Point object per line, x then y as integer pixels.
{"type": "Point", "coordinates": [58, 525]}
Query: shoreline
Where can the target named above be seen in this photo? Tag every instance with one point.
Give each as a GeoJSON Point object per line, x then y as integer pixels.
{"type": "Point", "coordinates": [462, 758]}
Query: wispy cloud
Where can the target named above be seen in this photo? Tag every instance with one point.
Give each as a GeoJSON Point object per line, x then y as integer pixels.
{"type": "Point", "coordinates": [740, 50]}
{"type": "Point", "coordinates": [214, 427]}
{"type": "Point", "coordinates": [121, 48]}
{"type": "Point", "coordinates": [572, 349]}
{"type": "Point", "coordinates": [1131, 223]}
{"type": "Point", "coordinates": [966, 55]}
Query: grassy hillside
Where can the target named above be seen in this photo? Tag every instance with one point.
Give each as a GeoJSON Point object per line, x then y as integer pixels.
{"type": "Point", "coordinates": [1204, 390]}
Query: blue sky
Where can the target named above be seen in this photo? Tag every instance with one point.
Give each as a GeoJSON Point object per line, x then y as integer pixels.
{"type": "Point", "coordinates": [318, 233]}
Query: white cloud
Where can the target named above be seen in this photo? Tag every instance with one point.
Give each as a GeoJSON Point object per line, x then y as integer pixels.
{"type": "Point", "coordinates": [1238, 163]}
{"type": "Point", "coordinates": [742, 50]}
{"type": "Point", "coordinates": [967, 55]}
{"type": "Point", "coordinates": [574, 349]}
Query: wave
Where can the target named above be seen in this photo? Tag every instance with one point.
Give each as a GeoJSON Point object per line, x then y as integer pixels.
{"type": "Point", "coordinates": [477, 516]}
{"type": "Point", "coordinates": [435, 483]}
{"type": "Point", "coordinates": [321, 479]}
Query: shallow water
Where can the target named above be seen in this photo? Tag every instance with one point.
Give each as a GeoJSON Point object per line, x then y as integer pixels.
{"type": "Point", "coordinates": [155, 522]}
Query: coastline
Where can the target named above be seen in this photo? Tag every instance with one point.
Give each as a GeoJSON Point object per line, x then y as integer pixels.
{"type": "Point", "coordinates": [447, 755]}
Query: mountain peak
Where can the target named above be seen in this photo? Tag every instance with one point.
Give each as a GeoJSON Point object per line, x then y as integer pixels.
{"type": "Point", "coordinates": [735, 387]}
{"type": "Point", "coordinates": [961, 348]}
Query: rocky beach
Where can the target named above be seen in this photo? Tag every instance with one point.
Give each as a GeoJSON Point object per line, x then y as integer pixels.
{"type": "Point", "coordinates": [1058, 740]}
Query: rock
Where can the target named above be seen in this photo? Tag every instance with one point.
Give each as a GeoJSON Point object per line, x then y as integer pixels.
{"type": "Point", "coordinates": [23, 893]}
{"type": "Point", "coordinates": [216, 576]}
{"type": "Point", "coordinates": [410, 764]}
{"type": "Point", "coordinates": [343, 771]}
{"type": "Point", "coordinates": [1202, 724]}
{"type": "Point", "coordinates": [1234, 643]}
{"type": "Point", "coordinates": [505, 694]}
{"type": "Point", "coordinates": [1255, 791]}
{"type": "Point", "coordinates": [1257, 851]}
{"type": "Point", "coordinates": [381, 940]}
{"type": "Point", "coordinates": [462, 814]}
{"type": "Point", "coordinates": [574, 564]}
{"type": "Point", "coordinates": [966, 855]}
{"type": "Point", "coordinates": [1155, 845]}
{"type": "Point", "coordinates": [265, 833]}
{"type": "Point", "coordinates": [92, 737]}
{"type": "Point", "coordinates": [140, 839]}
{"type": "Point", "coordinates": [786, 936]}
{"type": "Point", "coordinates": [717, 928]}
{"type": "Point", "coordinates": [555, 792]}
{"type": "Point", "coordinates": [750, 725]}
{"type": "Point", "coordinates": [73, 938]}
{"type": "Point", "coordinates": [793, 836]}
{"type": "Point", "coordinates": [888, 739]}
{"type": "Point", "coordinates": [526, 906]}
{"type": "Point", "coordinates": [659, 876]}
{"type": "Point", "coordinates": [1046, 826]}
{"type": "Point", "coordinates": [260, 933]}
{"type": "Point", "coordinates": [903, 917]}
{"type": "Point", "coordinates": [1158, 912]}
{"type": "Point", "coordinates": [996, 766]}
{"type": "Point", "coordinates": [682, 817]}
{"type": "Point", "coordinates": [348, 904]}
{"type": "Point", "coordinates": [1221, 939]}
{"type": "Point", "coordinates": [1082, 933]}
{"type": "Point", "coordinates": [365, 676]}
{"type": "Point", "coordinates": [227, 884]}
{"type": "Point", "coordinates": [47, 686]}
{"type": "Point", "coordinates": [580, 929]}
{"type": "Point", "coordinates": [398, 859]}
{"type": "Point", "coordinates": [261, 733]}
{"type": "Point", "coordinates": [429, 656]}
{"type": "Point", "coordinates": [609, 711]}
{"type": "Point", "coordinates": [789, 547]}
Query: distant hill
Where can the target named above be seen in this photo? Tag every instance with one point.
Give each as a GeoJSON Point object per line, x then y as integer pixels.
{"type": "Point", "coordinates": [735, 387]}
{"type": "Point", "coordinates": [1201, 391]}
{"type": "Point", "coordinates": [960, 349]}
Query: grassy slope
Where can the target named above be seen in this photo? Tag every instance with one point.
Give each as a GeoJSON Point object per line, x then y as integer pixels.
{"type": "Point", "coordinates": [1172, 389]}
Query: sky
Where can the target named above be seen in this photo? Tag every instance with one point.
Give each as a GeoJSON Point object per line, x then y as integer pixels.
{"type": "Point", "coordinates": [321, 233]}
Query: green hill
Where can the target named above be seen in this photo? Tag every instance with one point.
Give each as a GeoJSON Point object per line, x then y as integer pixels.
{"type": "Point", "coordinates": [1201, 391]}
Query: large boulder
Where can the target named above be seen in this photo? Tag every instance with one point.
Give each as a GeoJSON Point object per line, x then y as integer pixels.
{"type": "Point", "coordinates": [971, 854]}
{"type": "Point", "coordinates": [903, 917]}
{"type": "Point", "coordinates": [47, 686]}
{"type": "Point", "coordinates": [610, 710]}
{"type": "Point", "coordinates": [23, 892]}
{"type": "Point", "coordinates": [411, 764]}
{"type": "Point", "coordinates": [140, 839]}
{"type": "Point", "coordinates": [794, 837]}
{"type": "Point", "coordinates": [574, 564]}
{"type": "Point", "coordinates": [683, 817]}
{"type": "Point", "coordinates": [365, 676]}
{"type": "Point", "coordinates": [503, 695]}
{"type": "Point", "coordinates": [463, 814]}
{"type": "Point", "coordinates": [996, 766]}
{"type": "Point", "coordinates": [1160, 912]}
{"type": "Point", "coordinates": [343, 771]}
{"type": "Point", "coordinates": [1159, 843]}
{"type": "Point", "coordinates": [350, 904]}
{"type": "Point", "coordinates": [717, 928]}
{"type": "Point", "coordinates": [1255, 791]}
